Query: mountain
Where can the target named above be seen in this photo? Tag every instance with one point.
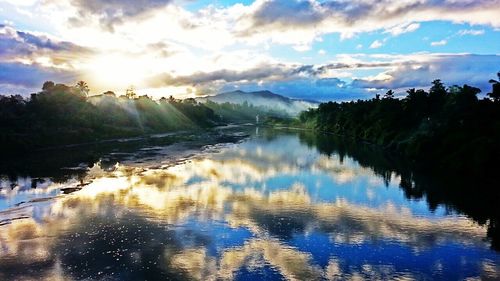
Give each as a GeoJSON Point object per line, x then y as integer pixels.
{"type": "Point", "coordinates": [265, 99]}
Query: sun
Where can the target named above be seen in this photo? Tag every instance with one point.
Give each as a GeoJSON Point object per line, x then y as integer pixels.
{"type": "Point", "coordinates": [116, 71]}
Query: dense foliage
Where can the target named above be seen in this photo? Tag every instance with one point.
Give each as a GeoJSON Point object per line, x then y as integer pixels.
{"type": "Point", "coordinates": [231, 112]}
{"type": "Point", "coordinates": [449, 126]}
{"type": "Point", "coordinates": [63, 115]}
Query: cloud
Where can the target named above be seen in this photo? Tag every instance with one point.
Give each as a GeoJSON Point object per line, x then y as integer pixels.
{"type": "Point", "coordinates": [21, 2]}
{"type": "Point", "coordinates": [266, 72]}
{"type": "Point", "coordinates": [419, 71]}
{"type": "Point", "coordinates": [32, 75]}
{"type": "Point", "coordinates": [473, 32]}
{"type": "Point", "coordinates": [25, 47]}
{"type": "Point", "coordinates": [277, 13]}
{"type": "Point", "coordinates": [376, 44]}
{"type": "Point", "coordinates": [302, 47]}
{"type": "Point", "coordinates": [294, 80]}
{"type": "Point", "coordinates": [323, 82]}
{"type": "Point", "coordinates": [28, 59]}
{"type": "Point", "coordinates": [162, 49]}
{"type": "Point", "coordinates": [112, 12]}
{"type": "Point", "coordinates": [439, 43]}
{"type": "Point", "coordinates": [403, 28]}
{"type": "Point", "coordinates": [292, 22]}
{"type": "Point", "coordinates": [351, 17]}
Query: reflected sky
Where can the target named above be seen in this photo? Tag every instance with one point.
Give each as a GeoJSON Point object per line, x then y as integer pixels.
{"type": "Point", "coordinates": [267, 208]}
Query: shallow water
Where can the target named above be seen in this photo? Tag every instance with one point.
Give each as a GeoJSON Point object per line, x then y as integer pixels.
{"type": "Point", "coordinates": [276, 205]}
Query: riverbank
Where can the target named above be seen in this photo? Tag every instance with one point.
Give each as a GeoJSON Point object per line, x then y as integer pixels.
{"type": "Point", "coordinates": [459, 133]}
{"type": "Point", "coordinates": [57, 161]}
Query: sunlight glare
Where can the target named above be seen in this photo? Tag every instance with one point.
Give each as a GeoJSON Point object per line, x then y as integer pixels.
{"type": "Point", "coordinates": [116, 72]}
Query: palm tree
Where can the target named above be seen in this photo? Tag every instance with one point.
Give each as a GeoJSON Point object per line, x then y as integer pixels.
{"type": "Point", "coordinates": [83, 87]}
{"type": "Point", "coordinates": [495, 92]}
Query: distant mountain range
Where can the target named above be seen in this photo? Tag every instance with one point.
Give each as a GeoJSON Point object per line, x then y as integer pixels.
{"type": "Point", "coordinates": [263, 99]}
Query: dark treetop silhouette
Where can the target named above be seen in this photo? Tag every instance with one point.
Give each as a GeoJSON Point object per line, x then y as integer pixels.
{"type": "Point", "coordinates": [449, 126]}
{"type": "Point", "coordinates": [60, 115]}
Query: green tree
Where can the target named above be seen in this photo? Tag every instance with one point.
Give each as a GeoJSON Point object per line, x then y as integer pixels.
{"type": "Point", "coordinates": [130, 93]}
{"type": "Point", "coordinates": [437, 88]}
{"type": "Point", "coordinates": [437, 96]}
{"type": "Point", "coordinates": [48, 85]}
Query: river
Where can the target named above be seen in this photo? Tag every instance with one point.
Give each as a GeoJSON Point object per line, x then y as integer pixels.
{"type": "Point", "coordinates": [238, 204]}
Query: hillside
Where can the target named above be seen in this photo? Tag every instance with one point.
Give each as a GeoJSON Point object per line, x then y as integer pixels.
{"type": "Point", "coordinates": [264, 99]}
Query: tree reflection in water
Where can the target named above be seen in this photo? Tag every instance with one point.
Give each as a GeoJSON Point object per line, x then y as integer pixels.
{"type": "Point", "coordinates": [285, 205]}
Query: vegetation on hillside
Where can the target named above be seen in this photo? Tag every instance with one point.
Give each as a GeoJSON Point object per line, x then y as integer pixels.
{"type": "Point", "coordinates": [451, 127]}
{"type": "Point", "coordinates": [62, 114]}
{"type": "Point", "coordinates": [231, 112]}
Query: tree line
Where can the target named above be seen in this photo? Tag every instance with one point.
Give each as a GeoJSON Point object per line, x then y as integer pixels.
{"type": "Point", "coordinates": [60, 114]}
{"type": "Point", "coordinates": [447, 127]}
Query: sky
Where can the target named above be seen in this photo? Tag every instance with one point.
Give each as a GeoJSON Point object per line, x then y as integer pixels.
{"type": "Point", "coordinates": [308, 49]}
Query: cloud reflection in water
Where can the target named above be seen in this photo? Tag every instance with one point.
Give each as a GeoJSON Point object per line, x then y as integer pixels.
{"type": "Point", "coordinates": [265, 207]}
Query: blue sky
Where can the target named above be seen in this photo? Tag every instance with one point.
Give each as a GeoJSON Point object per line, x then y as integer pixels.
{"type": "Point", "coordinates": [323, 50]}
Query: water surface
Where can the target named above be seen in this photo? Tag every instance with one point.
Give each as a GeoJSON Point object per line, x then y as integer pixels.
{"type": "Point", "coordinates": [276, 206]}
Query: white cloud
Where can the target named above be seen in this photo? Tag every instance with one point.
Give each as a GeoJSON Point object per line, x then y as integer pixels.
{"type": "Point", "coordinates": [20, 2]}
{"type": "Point", "coordinates": [30, 48]}
{"type": "Point", "coordinates": [473, 32]}
{"type": "Point", "coordinates": [293, 22]}
{"type": "Point", "coordinates": [403, 28]}
{"type": "Point", "coordinates": [376, 44]}
{"type": "Point", "coordinates": [439, 43]}
{"type": "Point", "coordinates": [280, 21]}
{"type": "Point", "coordinates": [302, 48]}
{"type": "Point", "coordinates": [419, 70]}
{"type": "Point", "coordinates": [267, 19]}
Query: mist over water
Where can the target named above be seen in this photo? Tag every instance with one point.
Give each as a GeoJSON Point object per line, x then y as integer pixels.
{"type": "Point", "coordinates": [275, 205]}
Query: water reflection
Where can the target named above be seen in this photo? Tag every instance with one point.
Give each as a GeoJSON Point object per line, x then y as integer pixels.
{"type": "Point", "coordinates": [270, 208]}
